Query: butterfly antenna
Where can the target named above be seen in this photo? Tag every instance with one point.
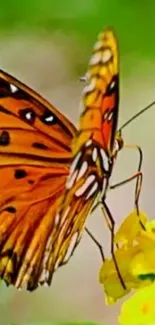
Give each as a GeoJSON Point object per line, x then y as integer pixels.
{"type": "Point", "coordinates": [136, 115]}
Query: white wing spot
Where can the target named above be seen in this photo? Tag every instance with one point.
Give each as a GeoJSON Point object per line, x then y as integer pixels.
{"type": "Point", "coordinates": [88, 143]}
{"type": "Point", "coordinates": [90, 87]}
{"type": "Point", "coordinates": [92, 191]}
{"type": "Point", "coordinates": [48, 244]}
{"type": "Point", "coordinates": [74, 163]}
{"type": "Point", "coordinates": [112, 85]}
{"type": "Point", "coordinates": [71, 180]}
{"type": "Point", "coordinates": [94, 154]}
{"type": "Point", "coordinates": [106, 55]}
{"type": "Point", "coordinates": [105, 161]}
{"type": "Point", "coordinates": [82, 170]}
{"type": "Point", "coordinates": [56, 265]}
{"type": "Point", "coordinates": [44, 276]}
{"type": "Point", "coordinates": [57, 219]}
{"type": "Point", "coordinates": [105, 116]}
{"type": "Point", "coordinates": [71, 246]}
{"type": "Point", "coordinates": [104, 187]}
{"type": "Point", "coordinates": [110, 116]}
{"type": "Point", "coordinates": [28, 116]}
{"type": "Point", "coordinates": [116, 145]}
{"type": "Point", "coordinates": [13, 88]}
{"type": "Point", "coordinates": [98, 45]}
{"type": "Point", "coordinates": [96, 58]}
{"type": "Point", "coordinates": [64, 216]}
{"type": "Point", "coordinates": [49, 118]}
{"type": "Point", "coordinates": [81, 190]}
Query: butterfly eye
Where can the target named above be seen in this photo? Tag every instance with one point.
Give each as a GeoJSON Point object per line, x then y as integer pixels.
{"type": "Point", "coordinates": [48, 118]}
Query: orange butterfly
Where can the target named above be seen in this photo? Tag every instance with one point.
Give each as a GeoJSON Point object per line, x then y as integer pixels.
{"type": "Point", "coordinates": [41, 218]}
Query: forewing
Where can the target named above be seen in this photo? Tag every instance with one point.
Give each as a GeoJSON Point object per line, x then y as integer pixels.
{"type": "Point", "coordinates": [35, 154]}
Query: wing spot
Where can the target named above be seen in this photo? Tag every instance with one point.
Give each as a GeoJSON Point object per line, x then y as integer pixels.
{"type": "Point", "coordinates": [82, 170]}
{"type": "Point", "coordinates": [88, 143]}
{"type": "Point", "coordinates": [48, 118]}
{"type": "Point", "coordinates": [4, 138]}
{"type": "Point", "coordinates": [72, 244]}
{"type": "Point", "coordinates": [10, 209]}
{"type": "Point", "coordinates": [57, 219]}
{"type": "Point", "coordinates": [98, 45]}
{"type": "Point", "coordinates": [75, 162]}
{"type": "Point", "coordinates": [110, 116]}
{"type": "Point", "coordinates": [13, 88]}
{"type": "Point", "coordinates": [27, 115]}
{"type": "Point", "coordinates": [112, 85]}
{"type": "Point", "coordinates": [71, 179]}
{"type": "Point", "coordinates": [63, 218]}
{"type": "Point", "coordinates": [96, 58]}
{"type": "Point", "coordinates": [105, 160]}
{"type": "Point", "coordinates": [92, 191]}
{"type": "Point", "coordinates": [90, 87]}
{"type": "Point", "coordinates": [39, 145]}
{"type": "Point", "coordinates": [82, 189]}
{"type": "Point", "coordinates": [94, 154]}
{"type": "Point", "coordinates": [106, 55]}
{"type": "Point", "coordinates": [105, 116]}
{"type": "Point", "coordinates": [20, 173]}
{"type": "Point", "coordinates": [31, 181]}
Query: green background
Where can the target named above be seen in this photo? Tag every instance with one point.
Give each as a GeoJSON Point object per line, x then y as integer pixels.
{"type": "Point", "coordinates": [47, 45]}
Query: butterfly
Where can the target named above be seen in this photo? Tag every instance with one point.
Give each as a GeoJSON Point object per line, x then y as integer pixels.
{"type": "Point", "coordinates": [51, 173]}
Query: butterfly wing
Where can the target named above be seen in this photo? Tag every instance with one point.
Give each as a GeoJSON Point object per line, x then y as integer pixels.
{"type": "Point", "coordinates": [92, 146]}
{"type": "Point", "coordinates": [101, 93]}
{"type": "Point", "coordinates": [35, 154]}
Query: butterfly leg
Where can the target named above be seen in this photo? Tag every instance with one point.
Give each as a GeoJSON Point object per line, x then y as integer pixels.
{"type": "Point", "coordinates": [139, 178]}
{"type": "Point", "coordinates": [96, 243]}
{"type": "Point", "coordinates": [111, 225]}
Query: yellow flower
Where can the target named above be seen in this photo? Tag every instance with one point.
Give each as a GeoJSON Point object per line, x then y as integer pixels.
{"type": "Point", "coordinates": [130, 228]}
{"type": "Point", "coordinates": [135, 258]}
{"type": "Point", "coordinates": [140, 308]}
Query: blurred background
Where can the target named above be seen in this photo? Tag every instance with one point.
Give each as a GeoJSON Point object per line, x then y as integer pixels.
{"type": "Point", "coordinates": [47, 44]}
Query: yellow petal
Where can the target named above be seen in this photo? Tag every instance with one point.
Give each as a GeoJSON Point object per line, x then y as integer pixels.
{"type": "Point", "coordinates": [144, 264]}
{"type": "Point", "coordinates": [110, 280]}
{"type": "Point", "coordinates": [140, 308]}
{"type": "Point", "coordinates": [130, 227]}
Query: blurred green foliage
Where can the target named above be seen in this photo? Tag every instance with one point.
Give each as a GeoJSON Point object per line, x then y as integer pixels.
{"type": "Point", "coordinates": [133, 20]}
{"type": "Point", "coordinates": [70, 323]}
